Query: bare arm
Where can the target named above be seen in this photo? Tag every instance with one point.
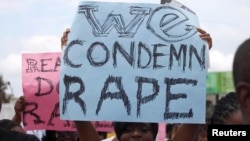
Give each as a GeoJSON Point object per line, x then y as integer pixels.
{"type": "Point", "coordinates": [86, 131]}
{"type": "Point", "coordinates": [186, 132]}
{"type": "Point", "coordinates": [19, 107]}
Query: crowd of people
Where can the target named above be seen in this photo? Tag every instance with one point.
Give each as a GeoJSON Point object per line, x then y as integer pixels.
{"type": "Point", "coordinates": [234, 108]}
{"type": "Point", "coordinates": [123, 130]}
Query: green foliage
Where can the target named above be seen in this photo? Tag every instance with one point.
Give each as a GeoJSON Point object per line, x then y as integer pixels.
{"type": "Point", "coordinates": [3, 87]}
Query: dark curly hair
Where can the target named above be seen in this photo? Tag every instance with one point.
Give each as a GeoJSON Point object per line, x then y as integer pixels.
{"type": "Point", "coordinates": [121, 126]}
{"type": "Point", "coordinates": [224, 108]}
{"type": "Point", "coordinates": [8, 124]}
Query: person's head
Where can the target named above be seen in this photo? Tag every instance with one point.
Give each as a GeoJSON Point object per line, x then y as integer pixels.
{"type": "Point", "coordinates": [133, 130]}
{"type": "Point", "coordinates": [49, 135]}
{"type": "Point", "coordinates": [52, 135]}
{"type": "Point", "coordinates": [11, 125]}
{"type": "Point", "coordinates": [66, 136]}
{"type": "Point", "coordinates": [227, 111]}
{"type": "Point", "coordinates": [241, 78]}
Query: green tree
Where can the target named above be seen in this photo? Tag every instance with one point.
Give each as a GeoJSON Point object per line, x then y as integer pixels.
{"type": "Point", "coordinates": [3, 87]}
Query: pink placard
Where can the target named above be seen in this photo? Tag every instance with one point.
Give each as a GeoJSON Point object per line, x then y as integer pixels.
{"type": "Point", "coordinates": [40, 81]}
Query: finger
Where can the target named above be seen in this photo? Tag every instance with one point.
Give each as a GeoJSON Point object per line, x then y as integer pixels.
{"type": "Point", "coordinates": [65, 34]}
{"type": "Point", "coordinates": [207, 38]}
{"type": "Point", "coordinates": [63, 41]}
{"type": "Point", "coordinates": [201, 30]}
{"type": "Point", "coordinates": [64, 38]}
{"type": "Point", "coordinates": [22, 98]}
{"type": "Point", "coordinates": [67, 30]}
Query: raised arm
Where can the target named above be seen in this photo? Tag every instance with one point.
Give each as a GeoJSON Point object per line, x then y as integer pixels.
{"type": "Point", "coordinates": [19, 107]}
{"type": "Point", "coordinates": [186, 132]}
{"type": "Point", "coordinates": [86, 131]}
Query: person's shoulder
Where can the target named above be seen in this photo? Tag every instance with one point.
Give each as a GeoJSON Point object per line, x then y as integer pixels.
{"type": "Point", "coordinates": [7, 135]}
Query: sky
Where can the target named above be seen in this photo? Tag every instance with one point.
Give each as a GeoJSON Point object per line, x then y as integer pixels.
{"type": "Point", "coordinates": [36, 26]}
